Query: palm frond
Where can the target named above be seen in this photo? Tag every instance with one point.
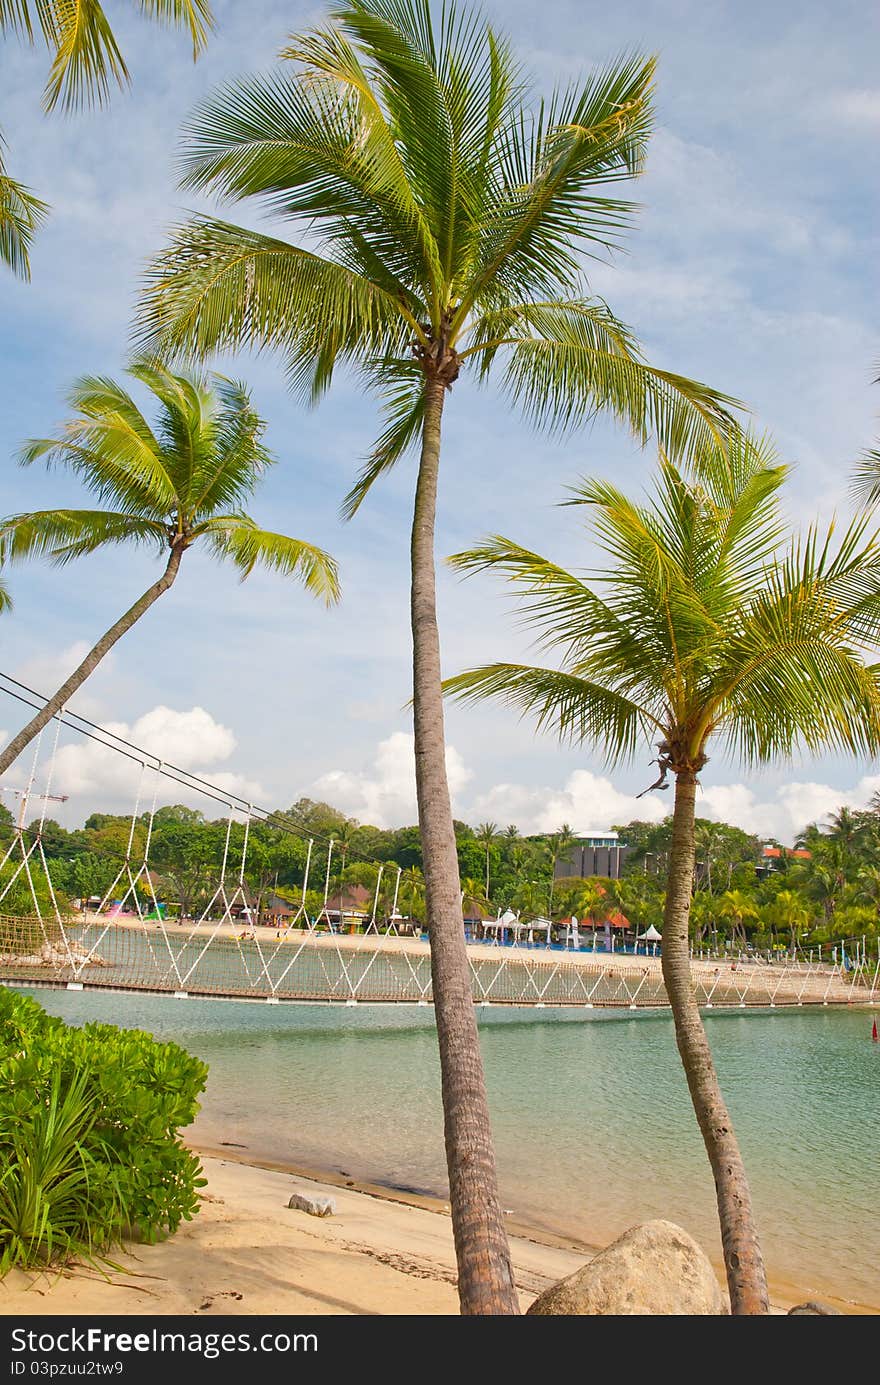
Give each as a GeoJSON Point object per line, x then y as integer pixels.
{"type": "Point", "coordinates": [194, 15]}
{"type": "Point", "coordinates": [573, 708]}
{"type": "Point", "coordinates": [22, 214]}
{"type": "Point", "coordinates": [238, 539]}
{"type": "Point", "coordinates": [87, 57]}
{"type": "Point", "coordinates": [5, 598]}
{"type": "Point", "coordinates": [566, 362]}
{"type": "Point", "coordinates": [404, 410]}
{"type": "Point", "coordinates": [545, 203]}
{"type": "Point", "coordinates": [221, 287]}
{"type": "Point", "coordinates": [110, 445]}
{"type": "Point", "coordinates": [62, 535]}
{"type": "Point", "coordinates": [865, 484]}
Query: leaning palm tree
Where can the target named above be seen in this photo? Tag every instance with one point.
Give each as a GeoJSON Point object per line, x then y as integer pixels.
{"type": "Point", "coordinates": [439, 216]}
{"type": "Point", "coordinates": [85, 60]}
{"type": "Point", "coordinates": [700, 630]}
{"type": "Point", "coordinates": [171, 487]}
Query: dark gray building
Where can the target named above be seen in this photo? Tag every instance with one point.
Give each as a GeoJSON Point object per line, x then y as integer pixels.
{"type": "Point", "coordinates": [593, 853]}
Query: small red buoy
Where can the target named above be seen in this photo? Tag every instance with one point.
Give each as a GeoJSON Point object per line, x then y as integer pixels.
{"type": "Point", "coordinates": [874, 1031]}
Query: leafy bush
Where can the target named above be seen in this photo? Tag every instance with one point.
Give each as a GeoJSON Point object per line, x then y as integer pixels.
{"type": "Point", "coordinates": [90, 1150]}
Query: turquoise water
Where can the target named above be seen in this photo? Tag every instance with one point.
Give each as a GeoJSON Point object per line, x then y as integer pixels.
{"type": "Point", "coordinates": [593, 1124]}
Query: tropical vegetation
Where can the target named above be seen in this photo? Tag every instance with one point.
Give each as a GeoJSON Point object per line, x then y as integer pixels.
{"type": "Point", "coordinates": [90, 1146]}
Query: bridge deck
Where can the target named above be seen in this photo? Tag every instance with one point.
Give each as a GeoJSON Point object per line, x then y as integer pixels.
{"type": "Point", "coordinates": [215, 960]}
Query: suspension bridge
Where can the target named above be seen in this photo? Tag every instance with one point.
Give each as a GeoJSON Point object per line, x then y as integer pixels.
{"type": "Point", "coordinates": [124, 943]}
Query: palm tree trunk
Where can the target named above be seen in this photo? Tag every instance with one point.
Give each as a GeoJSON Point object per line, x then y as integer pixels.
{"type": "Point", "coordinates": [743, 1261]}
{"type": "Point", "coordinates": [90, 662]}
{"type": "Point", "coordinates": [485, 1275]}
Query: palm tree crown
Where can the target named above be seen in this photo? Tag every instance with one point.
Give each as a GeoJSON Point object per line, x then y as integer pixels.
{"type": "Point", "coordinates": [701, 628]}
{"type": "Point", "coordinates": [170, 486]}
{"type": "Point", "coordinates": [448, 210]}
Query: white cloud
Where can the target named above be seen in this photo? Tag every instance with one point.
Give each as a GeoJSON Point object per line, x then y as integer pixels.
{"type": "Point", "coordinates": [385, 796]}
{"type": "Point", "coordinates": [98, 778]}
{"type": "Point", "coordinates": [587, 802]}
{"type": "Point", "coordinates": [791, 808]}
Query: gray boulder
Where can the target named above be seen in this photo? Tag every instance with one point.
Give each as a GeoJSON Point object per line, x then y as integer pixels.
{"type": "Point", "coordinates": [652, 1269]}
{"type": "Point", "coordinates": [313, 1203]}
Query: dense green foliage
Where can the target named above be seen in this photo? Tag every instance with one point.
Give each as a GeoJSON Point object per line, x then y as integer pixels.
{"type": "Point", "coordinates": [829, 888]}
{"type": "Point", "coordinates": [90, 1149]}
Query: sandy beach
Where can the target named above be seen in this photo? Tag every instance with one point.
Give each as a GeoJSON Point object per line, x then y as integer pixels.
{"type": "Point", "coordinates": [383, 1252]}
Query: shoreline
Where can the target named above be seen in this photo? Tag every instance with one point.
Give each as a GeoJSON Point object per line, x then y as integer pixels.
{"type": "Point", "coordinates": [386, 1250]}
{"type": "Point", "coordinates": [784, 1293]}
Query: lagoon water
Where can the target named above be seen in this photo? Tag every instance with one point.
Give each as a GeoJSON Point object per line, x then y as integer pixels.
{"type": "Point", "coordinates": [593, 1124]}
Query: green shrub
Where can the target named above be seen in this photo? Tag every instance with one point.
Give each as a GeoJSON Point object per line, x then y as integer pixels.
{"type": "Point", "coordinates": [90, 1150]}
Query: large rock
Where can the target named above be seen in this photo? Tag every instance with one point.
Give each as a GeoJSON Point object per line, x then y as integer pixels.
{"type": "Point", "coordinates": [652, 1269]}
{"type": "Point", "coordinates": [313, 1203]}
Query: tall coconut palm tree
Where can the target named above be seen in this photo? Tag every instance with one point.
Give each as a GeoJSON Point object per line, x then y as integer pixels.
{"type": "Point", "coordinates": [85, 60]}
{"type": "Point", "coordinates": [487, 835]}
{"type": "Point", "coordinates": [700, 631]}
{"type": "Point", "coordinates": [168, 487]}
{"type": "Point", "coordinates": [439, 216]}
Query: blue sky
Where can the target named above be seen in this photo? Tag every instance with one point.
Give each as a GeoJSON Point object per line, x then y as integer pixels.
{"type": "Point", "coordinates": [752, 266]}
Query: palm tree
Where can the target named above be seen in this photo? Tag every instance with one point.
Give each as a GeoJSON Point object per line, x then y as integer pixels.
{"type": "Point", "coordinates": [21, 215]}
{"type": "Point", "coordinates": [441, 214]}
{"type": "Point", "coordinates": [473, 896]}
{"type": "Point", "coordinates": [170, 487]}
{"type": "Point", "coordinates": [700, 630]}
{"type": "Point", "coordinates": [557, 845]}
{"type": "Point", "coordinates": [789, 911]}
{"type": "Point", "coordinates": [411, 897]}
{"type": "Point", "coordinates": [487, 835]}
{"type": "Point", "coordinates": [736, 906]}
{"type": "Point", "coordinates": [85, 58]}
{"type": "Point", "coordinates": [343, 836]}
{"type": "Point", "coordinates": [708, 837]}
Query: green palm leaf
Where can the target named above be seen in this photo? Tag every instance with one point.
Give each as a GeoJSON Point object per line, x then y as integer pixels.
{"type": "Point", "coordinates": [238, 539]}
{"type": "Point", "coordinates": [86, 56]}
{"type": "Point", "coordinates": [21, 215]}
